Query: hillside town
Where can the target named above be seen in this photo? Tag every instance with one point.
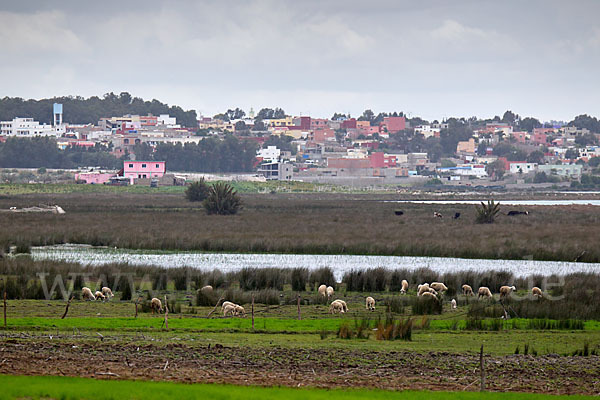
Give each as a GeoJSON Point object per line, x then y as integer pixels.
{"type": "Point", "coordinates": [388, 148]}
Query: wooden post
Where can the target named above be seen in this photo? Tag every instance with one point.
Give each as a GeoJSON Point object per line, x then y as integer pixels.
{"type": "Point", "coordinates": [252, 311]}
{"type": "Point", "coordinates": [166, 313]}
{"type": "Point", "coordinates": [66, 308]}
{"type": "Point", "coordinates": [136, 306]}
{"type": "Point", "coordinates": [299, 317]}
{"type": "Point", "coordinates": [215, 309]}
{"type": "Point", "coordinates": [5, 307]}
{"type": "Point", "coordinates": [482, 369]}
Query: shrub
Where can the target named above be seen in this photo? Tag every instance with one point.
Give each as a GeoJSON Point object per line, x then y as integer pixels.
{"type": "Point", "coordinates": [394, 329]}
{"type": "Point", "coordinates": [262, 278]}
{"type": "Point", "coordinates": [207, 298]}
{"type": "Point", "coordinates": [222, 199]}
{"type": "Point", "coordinates": [299, 277]}
{"type": "Point", "coordinates": [426, 305]}
{"type": "Point", "coordinates": [486, 213]}
{"type": "Point", "coordinates": [126, 293]}
{"type": "Point", "coordinates": [322, 276]}
{"type": "Point", "coordinates": [197, 191]}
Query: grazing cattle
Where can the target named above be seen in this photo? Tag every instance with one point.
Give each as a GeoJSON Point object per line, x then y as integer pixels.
{"type": "Point", "coordinates": [437, 215]}
{"type": "Point", "coordinates": [398, 212]}
{"type": "Point", "coordinates": [456, 215]}
{"type": "Point", "coordinates": [514, 212]}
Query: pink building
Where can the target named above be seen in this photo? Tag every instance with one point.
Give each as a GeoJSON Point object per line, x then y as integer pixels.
{"type": "Point", "coordinates": [143, 169]}
{"type": "Point", "coordinates": [520, 137]}
{"type": "Point", "coordinates": [539, 137]}
{"type": "Point", "coordinates": [393, 124]}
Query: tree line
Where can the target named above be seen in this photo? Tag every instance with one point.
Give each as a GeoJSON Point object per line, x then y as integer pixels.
{"type": "Point", "coordinates": [43, 152]}
{"type": "Point", "coordinates": [79, 110]}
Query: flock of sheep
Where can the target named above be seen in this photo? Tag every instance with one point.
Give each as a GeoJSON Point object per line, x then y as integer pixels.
{"type": "Point", "coordinates": [105, 294]}
{"type": "Point", "coordinates": [431, 290]}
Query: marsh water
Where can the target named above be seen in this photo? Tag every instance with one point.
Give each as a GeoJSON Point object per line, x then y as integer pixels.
{"type": "Point", "coordinates": [89, 255]}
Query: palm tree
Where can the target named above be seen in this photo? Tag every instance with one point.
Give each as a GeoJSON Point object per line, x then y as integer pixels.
{"type": "Point", "coordinates": [222, 199]}
{"type": "Point", "coordinates": [486, 213]}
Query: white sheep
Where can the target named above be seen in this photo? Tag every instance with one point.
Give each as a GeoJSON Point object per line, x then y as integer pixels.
{"type": "Point", "coordinates": [107, 292]}
{"type": "Point", "coordinates": [467, 290]}
{"type": "Point", "coordinates": [505, 291]}
{"type": "Point", "coordinates": [453, 304]}
{"type": "Point", "coordinates": [438, 286]}
{"type": "Point", "coordinates": [404, 286]}
{"type": "Point", "coordinates": [87, 294]}
{"type": "Point", "coordinates": [422, 289]}
{"type": "Point", "coordinates": [229, 309]}
{"type": "Point", "coordinates": [370, 303]}
{"type": "Point", "coordinates": [323, 290]}
{"type": "Point", "coordinates": [99, 295]}
{"type": "Point", "coordinates": [206, 289]}
{"type": "Point", "coordinates": [343, 305]}
{"type": "Point", "coordinates": [156, 305]}
{"type": "Point", "coordinates": [429, 295]}
{"type": "Point", "coordinates": [537, 292]}
{"type": "Point", "coordinates": [433, 291]}
{"type": "Point", "coordinates": [336, 307]}
{"type": "Point", "coordinates": [239, 310]}
{"type": "Point", "coordinates": [330, 291]}
{"type": "Point", "coordinates": [484, 292]}
{"type": "Point", "coordinates": [227, 303]}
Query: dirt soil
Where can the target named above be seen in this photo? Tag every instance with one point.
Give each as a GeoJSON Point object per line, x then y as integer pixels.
{"type": "Point", "coordinates": [299, 367]}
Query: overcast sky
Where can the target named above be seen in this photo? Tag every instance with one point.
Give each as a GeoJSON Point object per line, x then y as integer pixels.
{"type": "Point", "coordinates": [433, 59]}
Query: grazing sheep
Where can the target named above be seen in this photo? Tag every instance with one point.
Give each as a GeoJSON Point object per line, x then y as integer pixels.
{"type": "Point", "coordinates": [422, 289]}
{"type": "Point", "coordinates": [404, 286]}
{"type": "Point", "coordinates": [343, 303]}
{"type": "Point", "coordinates": [87, 294]}
{"type": "Point", "coordinates": [225, 304]}
{"type": "Point", "coordinates": [323, 290]}
{"type": "Point", "coordinates": [484, 292]}
{"type": "Point", "coordinates": [537, 292]}
{"type": "Point", "coordinates": [453, 304]}
{"type": "Point", "coordinates": [156, 305]}
{"type": "Point", "coordinates": [99, 295]}
{"type": "Point", "coordinates": [429, 295]}
{"type": "Point", "coordinates": [206, 289]}
{"type": "Point", "coordinates": [229, 309]}
{"type": "Point", "coordinates": [336, 307]}
{"type": "Point", "coordinates": [370, 303]}
{"type": "Point", "coordinates": [437, 215]}
{"type": "Point", "coordinates": [330, 291]}
{"type": "Point", "coordinates": [440, 287]}
{"type": "Point", "coordinates": [107, 292]}
{"type": "Point", "coordinates": [432, 291]}
{"type": "Point", "coordinates": [505, 291]}
{"type": "Point", "coordinates": [239, 310]}
{"type": "Point", "coordinates": [467, 290]}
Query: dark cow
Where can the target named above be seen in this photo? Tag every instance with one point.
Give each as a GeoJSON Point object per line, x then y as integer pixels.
{"type": "Point", "coordinates": [456, 216]}
{"type": "Point", "coordinates": [514, 212]}
{"type": "Point", "coordinates": [399, 212]}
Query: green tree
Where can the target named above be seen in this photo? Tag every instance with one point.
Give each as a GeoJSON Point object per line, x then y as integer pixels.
{"type": "Point", "coordinates": [572, 154]}
{"type": "Point", "coordinates": [535, 157]}
{"type": "Point", "coordinates": [528, 124]}
{"type": "Point", "coordinates": [222, 199]}
{"type": "Point", "coordinates": [495, 169]}
{"type": "Point", "coordinates": [197, 191]}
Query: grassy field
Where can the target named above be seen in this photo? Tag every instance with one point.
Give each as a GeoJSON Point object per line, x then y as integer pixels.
{"type": "Point", "coordinates": [78, 388]}
{"type": "Point", "coordinates": [323, 223]}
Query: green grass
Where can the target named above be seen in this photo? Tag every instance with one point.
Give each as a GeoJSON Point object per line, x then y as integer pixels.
{"type": "Point", "coordinates": [81, 388]}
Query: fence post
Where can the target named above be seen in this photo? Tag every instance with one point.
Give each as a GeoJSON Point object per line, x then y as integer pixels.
{"type": "Point", "coordinates": [299, 317]}
{"type": "Point", "coordinates": [482, 369]}
{"type": "Point", "coordinates": [166, 313]}
{"type": "Point", "coordinates": [4, 307]}
{"type": "Point", "coordinates": [253, 311]}
{"type": "Point", "coordinates": [66, 308]}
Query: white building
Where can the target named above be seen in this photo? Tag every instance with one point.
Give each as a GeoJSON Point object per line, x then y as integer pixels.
{"type": "Point", "coordinates": [165, 119]}
{"type": "Point", "coordinates": [477, 170]}
{"type": "Point", "coordinates": [427, 130]}
{"type": "Point", "coordinates": [522, 167]}
{"type": "Point", "coordinates": [27, 127]}
{"type": "Point", "coordinates": [269, 154]}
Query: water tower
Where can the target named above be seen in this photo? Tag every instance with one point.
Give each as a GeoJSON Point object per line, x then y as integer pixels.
{"type": "Point", "coordinates": [57, 112]}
